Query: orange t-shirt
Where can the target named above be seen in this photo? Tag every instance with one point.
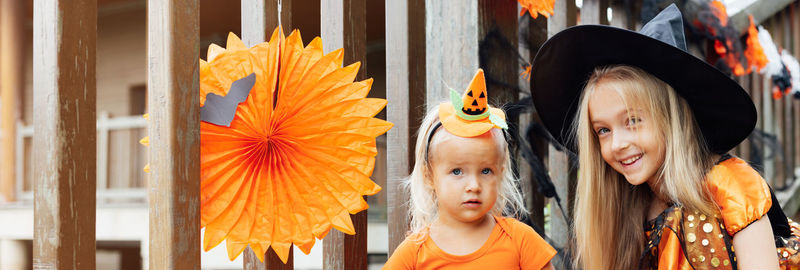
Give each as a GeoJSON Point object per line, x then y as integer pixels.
{"type": "Point", "coordinates": [511, 245]}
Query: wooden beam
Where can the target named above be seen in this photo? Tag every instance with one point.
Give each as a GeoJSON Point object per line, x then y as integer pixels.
{"type": "Point", "coordinates": [451, 47]}
{"type": "Point", "coordinates": [11, 83]}
{"type": "Point", "coordinates": [259, 19]}
{"type": "Point", "coordinates": [64, 83]}
{"type": "Point", "coordinates": [796, 102]}
{"type": "Point", "coordinates": [532, 34]}
{"type": "Point", "coordinates": [174, 129]}
{"type": "Point", "coordinates": [558, 162]}
{"type": "Point", "coordinates": [761, 11]}
{"type": "Point", "coordinates": [405, 87]}
{"type": "Point", "coordinates": [343, 25]}
{"type": "Point", "coordinates": [594, 12]}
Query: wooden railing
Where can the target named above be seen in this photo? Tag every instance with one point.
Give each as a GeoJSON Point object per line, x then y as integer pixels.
{"type": "Point", "coordinates": [429, 44]}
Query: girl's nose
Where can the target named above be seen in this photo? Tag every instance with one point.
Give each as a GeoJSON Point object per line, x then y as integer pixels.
{"type": "Point", "coordinates": [473, 184]}
{"type": "Point", "coordinates": [620, 140]}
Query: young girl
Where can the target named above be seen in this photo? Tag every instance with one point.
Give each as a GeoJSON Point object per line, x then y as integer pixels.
{"type": "Point", "coordinates": [463, 194]}
{"type": "Point", "coordinates": [652, 126]}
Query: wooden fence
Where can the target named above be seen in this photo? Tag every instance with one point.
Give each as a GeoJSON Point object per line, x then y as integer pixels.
{"type": "Point", "coordinates": [429, 44]}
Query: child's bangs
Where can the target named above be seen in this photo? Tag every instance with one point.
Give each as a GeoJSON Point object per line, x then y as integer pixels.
{"type": "Point", "coordinates": [639, 94]}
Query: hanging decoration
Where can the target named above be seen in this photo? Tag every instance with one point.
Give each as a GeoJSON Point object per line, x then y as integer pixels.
{"type": "Point", "coordinates": [712, 22]}
{"type": "Point", "coordinates": [754, 53]}
{"type": "Point", "coordinates": [296, 155]}
{"type": "Point", "coordinates": [536, 7]}
{"type": "Point", "coordinates": [770, 51]}
{"type": "Point", "coordinates": [791, 70]}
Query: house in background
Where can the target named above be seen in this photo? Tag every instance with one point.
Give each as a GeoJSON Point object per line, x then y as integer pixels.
{"type": "Point", "coordinates": [122, 209]}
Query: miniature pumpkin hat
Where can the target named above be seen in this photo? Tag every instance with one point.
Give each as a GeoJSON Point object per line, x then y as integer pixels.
{"type": "Point", "coordinates": [470, 115]}
{"type": "Point", "coordinates": [723, 110]}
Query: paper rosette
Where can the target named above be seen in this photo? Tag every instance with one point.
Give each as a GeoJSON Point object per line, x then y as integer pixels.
{"type": "Point", "coordinates": [536, 7]}
{"type": "Point", "coordinates": [297, 157]}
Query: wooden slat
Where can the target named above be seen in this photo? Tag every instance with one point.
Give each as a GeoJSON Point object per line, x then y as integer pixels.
{"type": "Point", "coordinates": [451, 47]}
{"type": "Point", "coordinates": [788, 123]}
{"type": "Point", "coordinates": [174, 129]}
{"type": "Point", "coordinates": [11, 51]}
{"type": "Point", "coordinates": [532, 34]}
{"type": "Point", "coordinates": [594, 12]}
{"type": "Point", "coordinates": [744, 147]}
{"type": "Point", "coordinates": [271, 260]}
{"type": "Point", "coordinates": [64, 83]}
{"type": "Point", "coordinates": [259, 19]}
{"type": "Point", "coordinates": [405, 84]}
{"type": "Point", "coordinates": [796, 102]}
{"type": "Point", "coordinates": [343, 25]}
{"type": "Point", "coordinates": [557, 162]}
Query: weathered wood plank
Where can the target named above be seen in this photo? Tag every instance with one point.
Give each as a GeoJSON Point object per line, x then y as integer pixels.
{"type": "Point", "coordinates": [343, 25]}
{"type": "Point", "coordinates": [259, 19]}
{"type": "Point", "coordinates": [558, 162]}
{"type": "Point", "coordinates": [271, 260]}
{"type": "Point", "coordinates": [451, 47]}
{"type": "Point", "coordinates": [11, 51]}
{"type": "Point", "coordinates": [796, 102]}
{"type": "Point", "coordinates": [64, 84]}
{"type": "Point", "coordinates": [594, 12]}
{"type": "Point", "coordinates": [174, 129]}
{"type": "Point", "coordinates": [532, 34]}
{"type": "Point", "coordinates": [405, 85]}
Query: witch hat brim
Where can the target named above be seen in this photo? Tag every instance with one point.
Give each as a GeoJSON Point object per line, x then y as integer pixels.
{"type": "Point", "coordinates": [723, 110]}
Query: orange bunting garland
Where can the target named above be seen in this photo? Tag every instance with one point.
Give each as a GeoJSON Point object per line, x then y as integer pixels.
{"type": "Point", "coordinates": [297, 157]}
{"type": "Point", "coordinates": [536, 7]}
{"type": "Point", "coordinates": [754, 52]}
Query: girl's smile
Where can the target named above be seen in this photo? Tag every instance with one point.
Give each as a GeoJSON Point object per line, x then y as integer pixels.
{"type": "Point", "coordinates": [629, 141]}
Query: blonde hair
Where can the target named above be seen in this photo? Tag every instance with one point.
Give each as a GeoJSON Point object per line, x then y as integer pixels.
{"type": "Point", "coordinates": [609, 212]}
{"type": "Point", "coordinates": [423, 207]}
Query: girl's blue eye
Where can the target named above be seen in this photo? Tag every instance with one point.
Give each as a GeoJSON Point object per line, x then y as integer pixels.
{"type": "Point", "coordinates": [486, 171]}
{"type": "Point", "coordinates": [633, 121]}
{"type": "Point", "coordinates": [456, 171]}
{"type": "Point", "coordinates": [601, 131]}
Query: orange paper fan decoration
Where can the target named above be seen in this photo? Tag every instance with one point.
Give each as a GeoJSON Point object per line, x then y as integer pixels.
{"type": "Point", "coordinates": [536, 7]}
{"type": "Point", "coordinates": [297, 157]}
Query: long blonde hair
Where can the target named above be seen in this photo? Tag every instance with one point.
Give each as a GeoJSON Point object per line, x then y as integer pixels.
{"type": "Point", "coordinates": [609, 212]}
{"type": "Point", "coordinates": [423, 207]}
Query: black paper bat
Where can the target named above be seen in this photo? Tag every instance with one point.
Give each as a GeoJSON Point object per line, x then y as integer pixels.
{"type": "Point", "coordinates": [220, 110]}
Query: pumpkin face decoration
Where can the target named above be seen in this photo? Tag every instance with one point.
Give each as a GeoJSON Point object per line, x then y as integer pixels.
{"type": "Point", "coordinates": [475, 98]}
{"type": "Point", "coordinates": [470, 115]}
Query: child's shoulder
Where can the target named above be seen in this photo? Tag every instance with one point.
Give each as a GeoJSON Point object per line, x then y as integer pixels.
{"type": "Point", "coordinates": [516, 229]}
{"type": "Point", "coordinates": [740, 192]}
{"type": "Point", "coordinates": [405, 255]}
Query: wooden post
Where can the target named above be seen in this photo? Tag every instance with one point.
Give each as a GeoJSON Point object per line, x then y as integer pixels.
{"type": "Point", "coordinates": [11, 83]}
{"type": "Point", "coordinates": [594, 12]}
{"type": "Point", "coordinates": [756, 93]}
{"type": "Point", "coordinates": [451, 47]}
{"type": "Point", "coordinates": [64, 83]}
{"type": "Point", "coordinates": [174, 129]}
{"type": "Point", "coordinates": [532, 34]}
{"type": "Point", "coordinates": [744, 146]}
{"type": "Point", "coordinates": [788, 123]}
{"type": "Point", "coordinates": [558, 162]}
{"type": "Point", "coordinates": [796, 102]}
{"type": "Point", "coordinates": [405, 89]}
{"type": "Point", "coordinates": [343, 25]}
{"type": "Point", "coordinates": [259, 19]}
